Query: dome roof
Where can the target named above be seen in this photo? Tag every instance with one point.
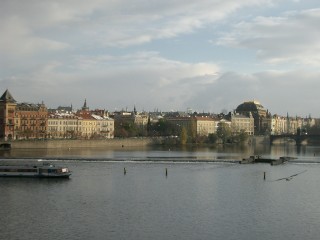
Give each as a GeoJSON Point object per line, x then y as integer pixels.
{"type": "Point", "coordinates": [251, 106]}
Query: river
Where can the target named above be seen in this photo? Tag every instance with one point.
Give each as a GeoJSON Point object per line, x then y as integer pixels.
{"type": "Point", "coordinates": [202, 196]}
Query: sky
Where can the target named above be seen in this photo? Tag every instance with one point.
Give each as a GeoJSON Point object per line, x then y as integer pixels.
{"type": "Point", "coordinates": [165, 55]}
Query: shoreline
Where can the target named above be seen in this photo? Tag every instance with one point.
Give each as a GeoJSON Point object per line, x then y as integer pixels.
{"type": "Point", "coordinates": [68, 144]}
{"type": "Point", "coordinates": [106, 143]}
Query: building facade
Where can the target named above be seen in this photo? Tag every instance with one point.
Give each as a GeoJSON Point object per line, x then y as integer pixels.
{"type": "Point", "coordinates": [205, 126]}
{"type": "Point", "coordinates": [64, 125]}
{"type": "Point", "coordinates": [258, 113]}
{"type": "Point", "coordinates": [94, 124]}
{"type": "Point", "coordinates": [32, 121]}
{"type": "Point", "coordinates": [288, 125]}
{"type": "Point", "coordinates": [7, 116]}
{"type": "Point", "coordinates": [240, 122]}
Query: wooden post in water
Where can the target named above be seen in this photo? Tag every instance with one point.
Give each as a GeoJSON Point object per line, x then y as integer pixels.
{"type": "Point", "coordinates": [264, 175]}
{"type": "Point", "coordinates": [124, 171]}
{"type": "Point", "coordinates": [166, 172]}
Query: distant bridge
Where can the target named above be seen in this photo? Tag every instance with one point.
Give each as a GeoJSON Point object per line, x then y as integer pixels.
{"type": "Point", "coordinates": [298, 138]}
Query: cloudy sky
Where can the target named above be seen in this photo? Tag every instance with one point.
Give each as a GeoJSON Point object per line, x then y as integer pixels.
{"type": "Point", "coordinates": [208, 55]}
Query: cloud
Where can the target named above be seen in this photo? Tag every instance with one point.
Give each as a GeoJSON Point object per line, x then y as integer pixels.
{"type": "Point", "coordinates": [291, 38]}
{"type": "Point", "coordinates": [280, 92]}
{"type": "Point", "coordinates": [109, 81]}
{"type": "Point", "coordinates": [149, 81]}
{"type": "Point", "coordinates": [149, 20]}
{"type": "Point", "coordinates": [66, 50]}
{"type": "Point", "coordinates": [109, 23]}
{"type": "Point", "coordinates": [18, 40]}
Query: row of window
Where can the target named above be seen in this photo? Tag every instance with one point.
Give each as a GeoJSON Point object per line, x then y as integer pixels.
{"type": "Point", "coordinates": [79, 123]}
{"type": "Point", "coordinates": [33, 116]}
{"type": "Point", "coordinates": [64, 123]}
{"type": "Point", "coordinates": [60, 129]}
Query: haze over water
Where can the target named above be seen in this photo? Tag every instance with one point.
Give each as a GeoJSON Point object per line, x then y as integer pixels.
{"type": "Point", "coordinates": [196, 200]}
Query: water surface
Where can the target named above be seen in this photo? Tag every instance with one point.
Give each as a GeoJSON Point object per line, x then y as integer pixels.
{"type": "Point", "coordinates": [195, 200]}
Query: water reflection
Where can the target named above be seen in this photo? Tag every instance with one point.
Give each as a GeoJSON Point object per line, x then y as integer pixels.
{"type": "Point", "coordinates": [194, 200]}
{"type": "Point", "coordinates": [227, 152]}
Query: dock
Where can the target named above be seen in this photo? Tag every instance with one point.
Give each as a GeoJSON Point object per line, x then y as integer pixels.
{"type": "Point", "coordinates": [259, 159]}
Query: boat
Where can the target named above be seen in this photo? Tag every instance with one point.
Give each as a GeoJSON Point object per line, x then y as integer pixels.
{"type": "Point", "coordinates": [36, 171]}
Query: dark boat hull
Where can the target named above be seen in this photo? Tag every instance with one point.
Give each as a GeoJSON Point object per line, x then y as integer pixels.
{"type": "Point", "coordinates": [34, 176]}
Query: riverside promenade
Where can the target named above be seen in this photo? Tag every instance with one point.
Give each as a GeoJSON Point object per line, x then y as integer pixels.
{"type": "Point", "coordinates": [67, 144]}
{"type": "Point", "coordinates": [106, 143]}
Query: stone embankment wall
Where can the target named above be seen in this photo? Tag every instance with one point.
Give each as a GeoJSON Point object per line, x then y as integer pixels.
{"type": "Point", "coordinates": [127, 142]}
{"type": "Point", "coordinates": [260, 139]}
{"type": "Point", "coordinates": [114, 143]}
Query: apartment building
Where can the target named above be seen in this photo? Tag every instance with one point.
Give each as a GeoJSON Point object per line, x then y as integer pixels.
{"type": "Point", "coordinates": [31, 121]}
{"type": "Point", "coordinates": [288, 125]}
{"type": "Point", "coordinates": [197, 126]}
{"type": "Point", "coordinates": [94, 124]}
{"type": "Point", "coordinates": [63, 125]}
{"type": "Point", "coordinates": [205, 125]}
{"type": "Point", "coordinates": [104, 126]}
{"type": "Point", "coordinates": [241, 122]}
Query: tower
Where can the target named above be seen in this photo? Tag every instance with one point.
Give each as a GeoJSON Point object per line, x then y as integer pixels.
{"type": "Point", "coordinates": [7, 116]}
{"type": "Point", "coordinates": [85, 108]}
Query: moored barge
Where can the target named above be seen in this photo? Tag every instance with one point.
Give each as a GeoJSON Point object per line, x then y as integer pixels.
{"type": "Point", "coordinates": [36, 171]}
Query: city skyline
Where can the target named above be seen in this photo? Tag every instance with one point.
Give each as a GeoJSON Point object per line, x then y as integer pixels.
{"type": "Point", "coordinates": [166, 55]}
{"type": "Point", "coordinates": [133, 108]}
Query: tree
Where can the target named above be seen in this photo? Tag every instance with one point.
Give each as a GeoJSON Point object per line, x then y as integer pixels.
{"type": "Point", "coordinates": [162, 128]}
{"type": "Point", "coordinates": [183, 136]}
{"type": "Point", "coordinates": [243, 136]}
{"type": "Point", "coordinates": [193, 131]}
{"type": "Point", "coordinates": [212, 138]}
{"type": "Point", "coordinates": [224, 132]}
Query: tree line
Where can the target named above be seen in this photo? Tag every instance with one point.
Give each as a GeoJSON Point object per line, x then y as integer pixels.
{"type": "Point", "coordinates": [176, 134]}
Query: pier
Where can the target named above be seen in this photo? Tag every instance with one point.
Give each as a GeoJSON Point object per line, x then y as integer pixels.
{"type": "Point", "coordinates": [259, 159]}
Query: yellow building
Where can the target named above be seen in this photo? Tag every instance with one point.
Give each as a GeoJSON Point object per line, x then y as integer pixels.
{"type": "Point", "coordinates": [197, 126]}
{"type": "Point", "coordinates": [205, 126]}
{"type": "Point", "coordinates": [104, 126]}
{"type": "Point", "coordinates": [241, 122]}
{"type": "Point", "coordinates": [63, 126]}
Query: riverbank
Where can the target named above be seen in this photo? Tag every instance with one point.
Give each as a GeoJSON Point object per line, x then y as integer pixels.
{"type": "Point", "coordinates": [107, 143]}
{"type": "Point", "coordinates": [67, 144]}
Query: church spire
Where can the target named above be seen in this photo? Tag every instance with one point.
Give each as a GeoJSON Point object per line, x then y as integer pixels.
{"type": "Point", "coordinates": [135, 110]}
{"type": "Point", "coordinates": [85, 108]}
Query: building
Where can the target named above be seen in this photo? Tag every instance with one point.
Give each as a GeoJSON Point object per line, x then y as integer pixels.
{"type": "Point", "coordinates": [22, 120]}
{"type": "Point", "coordinates": [141, 120]}
{"type": "Point", "coordinates": [187, 123]}
{"type": "Point", "coordinates": [63, 125]}
{"type": "Point", "coordinates": [240, 122]}
{"type": "Point", "coordinates": [195, 126]}
{"type": "Point", "coordinates": [105, 126]}
{"type": "Point", "coordinates": [258, 113]}
{"type": "Point", "coordinates": [289, 125]}
{"type": "Point", "coordinates": [7, 116]}
{"type": "Point", "coordinates": [126, 117]}
{"type": "Point", "coordinates": [87, 126]}
{"type": "Point", "coordinates": [94, 124]}
{"type": "Point", "coordinates": [205, 126]}
{"type": "Point", "coordinates": [221, 122]}
{"type": "Point", "coordinates": [31, 121]}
